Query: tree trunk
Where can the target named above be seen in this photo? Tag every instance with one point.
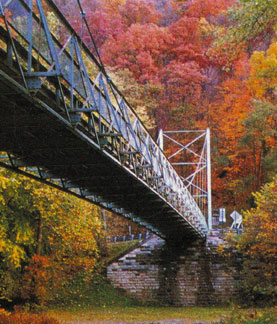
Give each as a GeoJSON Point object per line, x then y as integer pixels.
{"type": "Point", "coordinates": [39, 235]}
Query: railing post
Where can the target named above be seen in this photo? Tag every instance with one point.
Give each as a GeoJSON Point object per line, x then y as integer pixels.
{"type": "Point", "coordinates": [209, 184]}
{"type": "Point", "coordinates": [161, 139]}
{"type": "Point", "coordinates": [30, 35]}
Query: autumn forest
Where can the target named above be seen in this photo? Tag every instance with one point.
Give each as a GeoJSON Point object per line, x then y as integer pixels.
{"type": "Point", "coordinates": [194, 64]}
{"type": "Point", "coordinates": [181, 64]}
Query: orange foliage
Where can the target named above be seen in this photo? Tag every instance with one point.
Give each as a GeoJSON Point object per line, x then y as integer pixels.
{"type": "Point", "coordinates": [41, 276]}
{"type": "Point", "coordinates": [227, 115]}
{"type": "Point", "coordinates": [8, 16]}
{"type": "Point", "coordinates": [243, 120]}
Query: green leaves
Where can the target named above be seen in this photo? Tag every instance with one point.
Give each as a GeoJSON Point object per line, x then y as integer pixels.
{"type": "Point", "coordinates": [15, 219]}
{"type": "Point", "coordinates": [250, 19]}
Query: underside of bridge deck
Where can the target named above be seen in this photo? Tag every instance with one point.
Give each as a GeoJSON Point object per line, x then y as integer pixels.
{"type": "Point", "coordinates": [38, 136]}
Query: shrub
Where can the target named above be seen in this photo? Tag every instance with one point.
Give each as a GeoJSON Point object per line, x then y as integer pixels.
{"type": "Point", "coordinates": [259, 249]}
{"type": "Point", "coordinates": [25, 318]}
{"type": "Point", "coordinates": [254, 317]}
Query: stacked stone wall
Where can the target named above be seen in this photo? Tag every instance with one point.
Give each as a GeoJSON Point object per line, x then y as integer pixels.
{"type": "Point", "coordinates": [196, 275]}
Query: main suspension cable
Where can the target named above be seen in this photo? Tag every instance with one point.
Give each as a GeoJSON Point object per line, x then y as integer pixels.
{"type": "Point", "coordinates": [110, 83]}
{"type": "Point", "coordinates": [83, 14]}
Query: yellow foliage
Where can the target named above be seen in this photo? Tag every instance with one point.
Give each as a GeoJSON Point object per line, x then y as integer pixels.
{"type": "Point", "coordinates": [258, 242]}
{"type": "Point", "coordinates": [2, 245]}
{"type": "Point", "coordinates": [4, 312]}
{"type": "Point", "coordinates": [113, 6]}
{"type": "Point", "coordinates": [35, 218]}
{"type": "Point", "coordinates": [263, 71]}
{"type": "Point", "coordinates": [206, 28]}
{"type": "Point", "coordinates": [16, 256]}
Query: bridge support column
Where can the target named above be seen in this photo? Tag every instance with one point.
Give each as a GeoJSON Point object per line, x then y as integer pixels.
{"type": "Point", "coordinates": [209, 177]}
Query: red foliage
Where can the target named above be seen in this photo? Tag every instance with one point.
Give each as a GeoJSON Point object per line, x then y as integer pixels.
{"type": "Point", "coordinates": [187, 43]}
{"type": "Point", "coordinates": [183, 80]}
{"type": "Point", "coordinates": [139, 12]}
{"type": "Point", "coordinates": [103, 26]}
{"type": "Point", "coordinates": [205, 8]}
{"type": "Point", "coordinates": [142, 49]}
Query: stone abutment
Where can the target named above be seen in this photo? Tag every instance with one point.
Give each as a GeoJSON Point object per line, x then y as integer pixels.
{"type": "Point", "coordinates": [204, 273]}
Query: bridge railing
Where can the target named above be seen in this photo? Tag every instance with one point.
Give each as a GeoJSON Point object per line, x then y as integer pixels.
{"type": "Point", "coordinates": [53, 58]}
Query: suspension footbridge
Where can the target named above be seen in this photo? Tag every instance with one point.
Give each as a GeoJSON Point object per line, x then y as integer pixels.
{"type": "Point", "coordinates": [64, 123]}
